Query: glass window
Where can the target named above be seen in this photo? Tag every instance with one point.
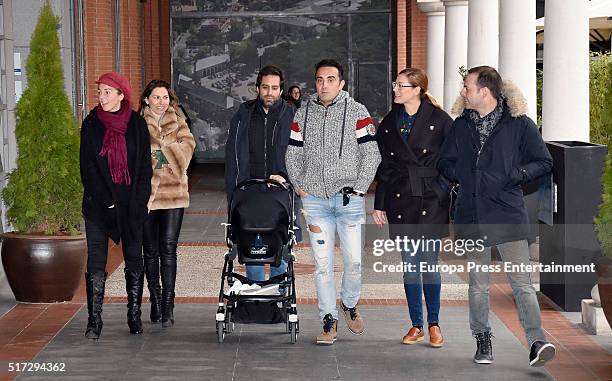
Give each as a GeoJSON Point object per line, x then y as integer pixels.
{"type": "Point", "coordinates": [216, 55]}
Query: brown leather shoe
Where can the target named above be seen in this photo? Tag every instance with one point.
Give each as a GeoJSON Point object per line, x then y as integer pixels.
{"type": "Point", "coordinates": [330, 331]}
{"type": "Point", "coordinates": [354, 320]}
{"type": "Point", "coordinates": [435, 337]}
{"type": "Point", "coordinates": [413, 336]}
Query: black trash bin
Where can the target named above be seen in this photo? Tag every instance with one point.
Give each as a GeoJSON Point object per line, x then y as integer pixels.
{"type": "Point", "coordinates": [571, 239]}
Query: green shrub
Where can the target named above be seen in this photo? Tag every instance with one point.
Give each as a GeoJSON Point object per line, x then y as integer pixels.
{"type": "Point", "coordinates": [604, 123]}
{"type": "Point", "coordinates": [43, 193]}
{"type": "Point", "coordinates": [600, 81]}
{"type": "Point", "coordinates": [539, 83]}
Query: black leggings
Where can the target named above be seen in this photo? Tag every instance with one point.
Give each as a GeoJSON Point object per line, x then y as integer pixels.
{"type": "Point", "coordinates": [161, 231]}
{"type": "Point", "coordinates": [97, 248]}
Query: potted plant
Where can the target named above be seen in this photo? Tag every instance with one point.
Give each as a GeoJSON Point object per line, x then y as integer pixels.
{"type": "Point", "coordinates": [44, 258]}
{"type": "Point", "coordinates": [603, 221]}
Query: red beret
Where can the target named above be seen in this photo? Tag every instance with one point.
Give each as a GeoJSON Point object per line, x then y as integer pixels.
{"type": "Point", "coordinates": [118, 81]}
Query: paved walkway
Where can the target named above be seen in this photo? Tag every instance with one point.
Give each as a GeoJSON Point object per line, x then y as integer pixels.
{"type": "Point", "coordinates": [53, 333]}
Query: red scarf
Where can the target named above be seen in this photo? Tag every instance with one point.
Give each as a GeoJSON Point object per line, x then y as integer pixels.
{"type": "Point", "coordinates": [113, 144]}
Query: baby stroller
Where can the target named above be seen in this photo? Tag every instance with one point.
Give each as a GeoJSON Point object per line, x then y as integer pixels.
{"type": "Point", "coordinates": [260, 230]}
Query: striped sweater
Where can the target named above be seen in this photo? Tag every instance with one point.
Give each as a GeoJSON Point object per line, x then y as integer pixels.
{"type": "Point", "coordinates": [332, 147]}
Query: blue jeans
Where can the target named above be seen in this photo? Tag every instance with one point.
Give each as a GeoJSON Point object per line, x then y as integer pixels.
{"type": "Point", "coordinates": [257, 272]}
{"type": "Point", "coordinates": [525, 296]}
{"type": "Point", "coordinates": [416, 284]}
{"type": "Point", "coordinates": [324, 217]}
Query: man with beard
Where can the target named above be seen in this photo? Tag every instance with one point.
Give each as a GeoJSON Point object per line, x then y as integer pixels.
{"type": "Point", "coordinates": [257, 143]}
{"type": "Point", "coordinates": [493, 148]}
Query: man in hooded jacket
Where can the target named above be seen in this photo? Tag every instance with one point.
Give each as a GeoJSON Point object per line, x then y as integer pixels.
{"type": "Point", "coordinates": [493, 148]}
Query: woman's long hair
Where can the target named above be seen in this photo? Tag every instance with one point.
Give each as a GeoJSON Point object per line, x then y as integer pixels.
{"type": "Point", "coordinates": [152, 86]}
{"type": "Point", "coordinates": [418, 77]}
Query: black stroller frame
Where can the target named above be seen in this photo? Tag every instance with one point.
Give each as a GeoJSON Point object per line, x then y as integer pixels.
{"type": "Point", "coordinates": [228, 303]}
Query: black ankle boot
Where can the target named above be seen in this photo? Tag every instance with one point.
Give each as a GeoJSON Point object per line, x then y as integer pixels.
{"type": "Point", "coordinates": [168, 275]}
{"type": "Point", "coordinates": [134, 280]}
{"type": "Point", "coordinates": [94, 285]}
{"type": "Point", "coordinates": [167, 309]}
{"type": "Point", "coordinates": [152, 275]}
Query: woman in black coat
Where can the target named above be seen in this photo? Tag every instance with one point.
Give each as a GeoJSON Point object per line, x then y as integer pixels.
{"type": "Point", "coordinates": [116, 174]}
{"type": "Point", "coordinates": [411, 192]}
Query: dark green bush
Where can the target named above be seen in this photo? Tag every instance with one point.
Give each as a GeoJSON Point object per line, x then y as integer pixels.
{"type": "Point", "coordinates": [599, 85]}
{"type": "Point", "coordinates": [604, 124]}
{"type": "Point", "coordinates": [43, 193]}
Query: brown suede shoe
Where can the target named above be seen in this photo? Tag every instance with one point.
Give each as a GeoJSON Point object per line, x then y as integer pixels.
{"type": "Point", "coordinates": [413, 336]}
{"type": "Point", "coordinates": [435, 337]}
{"type": "Point", "coordinates": [354, 321]}
{"type": "Point", "coordinates": [330, 331]}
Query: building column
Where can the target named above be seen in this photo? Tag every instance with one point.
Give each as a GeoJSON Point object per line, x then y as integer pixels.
{"type": "Point", "coordinates": [516, 34]}
{"type": "Point", "coordinates": [455, 48]}
{"type": "Point", "coordinates": [434, 10]}
{"type": "Point", "coordinates": [565, 93]}
{"type": "Point", "coordinates": [483, 33]}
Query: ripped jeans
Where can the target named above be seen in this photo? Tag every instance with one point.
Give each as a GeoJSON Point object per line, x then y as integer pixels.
{"type": "Point", "coordinates": [324, 217]}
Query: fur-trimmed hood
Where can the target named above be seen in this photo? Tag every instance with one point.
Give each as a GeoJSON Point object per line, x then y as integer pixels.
{"type": "Point", "coordinates": [515, 101]}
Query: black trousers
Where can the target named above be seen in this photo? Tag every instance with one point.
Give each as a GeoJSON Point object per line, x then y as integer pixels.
{"type": "Point", "coordinates": [97, 248]}
{"type": "Point", "coordinates": [161, 232]}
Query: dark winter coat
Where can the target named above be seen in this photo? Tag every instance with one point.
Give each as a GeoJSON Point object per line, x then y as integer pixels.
{"type": "Point", "coordinates": [98, 188]}
{"type": "Point", "coordinates": [409, 188]}
{"type": "Point", "coordinates": [490, 202]}
{"type": "Point", "coordinates": [237, 156]}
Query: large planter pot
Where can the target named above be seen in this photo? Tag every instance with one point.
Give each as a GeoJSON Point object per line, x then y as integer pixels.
{"type": "Point", "coordinates": [604, 284]}
{"type": "Point", "coordinates": [43, 269]}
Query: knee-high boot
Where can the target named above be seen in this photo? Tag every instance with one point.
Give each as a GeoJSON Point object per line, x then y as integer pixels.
{"type": "Point", "coordinates": [134, 280]}
{"type": "Point", "coordinates": [94, 285]}
{"type": "Point", "coordinates": [168, 276]}
{"type": "Point", "coordinates": [152, 273]}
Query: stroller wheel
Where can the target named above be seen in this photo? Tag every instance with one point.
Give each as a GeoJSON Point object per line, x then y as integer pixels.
{"type": "Point", "coordinates": [220, 331]}
{"type": "Point", "coordinates": [294, 332]}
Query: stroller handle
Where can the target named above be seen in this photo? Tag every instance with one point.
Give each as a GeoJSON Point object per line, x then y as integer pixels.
{"type": "Point", "coordinates": [249, 182]}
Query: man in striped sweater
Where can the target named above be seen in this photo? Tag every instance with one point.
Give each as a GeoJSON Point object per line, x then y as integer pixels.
{"type": "Point", "coordinates": [331, 159]}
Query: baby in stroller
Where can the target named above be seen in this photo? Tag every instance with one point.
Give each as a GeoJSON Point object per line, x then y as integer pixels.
{"type": "Point", "coordinates": [260, 230]}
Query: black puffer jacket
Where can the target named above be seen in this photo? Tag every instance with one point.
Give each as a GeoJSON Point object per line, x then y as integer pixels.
{"type": "Point", "coordinates": [490, 202]}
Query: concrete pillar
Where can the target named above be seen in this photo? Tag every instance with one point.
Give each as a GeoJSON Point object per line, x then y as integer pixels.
{"type": "Point", "coordinates": [434, 10]}
{"type": "Point", "coordinates": [455, 48]}
{"type": "Point", "coordinates": [483, 33]}
{"type": "Point", "coordinates": [516, 34]}
{"type": "Point", "coordinates": [565, 93]}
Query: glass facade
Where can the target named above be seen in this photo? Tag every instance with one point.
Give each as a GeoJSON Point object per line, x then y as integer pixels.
{"type": "Point", "coordinates": [219, 46]}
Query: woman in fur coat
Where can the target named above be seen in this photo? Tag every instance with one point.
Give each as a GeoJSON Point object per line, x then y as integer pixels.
{"type": "Point", "coordinates": [172, 146]}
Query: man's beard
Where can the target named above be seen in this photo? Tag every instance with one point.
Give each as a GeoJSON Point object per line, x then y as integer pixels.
{"type": "Point", "coordinates": [267, 104]}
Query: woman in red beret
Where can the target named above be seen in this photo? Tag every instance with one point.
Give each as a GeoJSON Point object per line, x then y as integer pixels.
{"type": "Point", "coordinates": [116, 175]}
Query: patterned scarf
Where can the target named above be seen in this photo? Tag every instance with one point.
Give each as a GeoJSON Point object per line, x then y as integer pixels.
{"type": "Point", "coordinates": [486, 124]}
{"type": "Point", "coordinates": [113, 144]}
